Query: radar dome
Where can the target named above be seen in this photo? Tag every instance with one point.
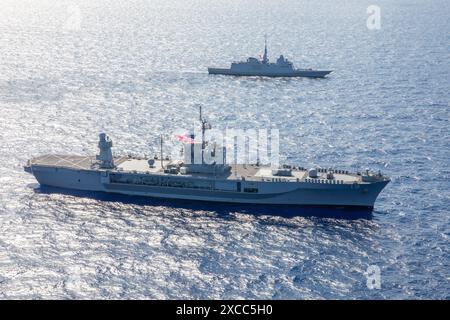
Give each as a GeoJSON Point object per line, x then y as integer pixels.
{"type": "Point", "coordinates": [312, 173]}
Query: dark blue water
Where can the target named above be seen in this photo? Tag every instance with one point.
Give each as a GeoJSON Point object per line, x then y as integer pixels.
{"type": "Point", "coordinates": [71, 69]}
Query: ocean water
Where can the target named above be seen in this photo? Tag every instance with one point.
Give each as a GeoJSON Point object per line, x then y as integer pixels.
{"type": "Point", "coordinates": [135, 69]}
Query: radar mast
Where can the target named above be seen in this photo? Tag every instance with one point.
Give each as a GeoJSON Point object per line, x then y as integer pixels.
{"type": "Point", "coordinates": [265, 58]}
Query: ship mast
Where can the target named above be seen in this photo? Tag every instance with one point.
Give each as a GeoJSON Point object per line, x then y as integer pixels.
{"type": "Point", "coordinates": [161, 142]}
{"type": "Point", "coordinates": [265, 59]}
{"type": "Point", "coordinates": [205, 126]}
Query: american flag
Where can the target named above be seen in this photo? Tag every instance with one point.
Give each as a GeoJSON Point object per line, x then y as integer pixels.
{"type": "Point", "coordinates": [184, 138]}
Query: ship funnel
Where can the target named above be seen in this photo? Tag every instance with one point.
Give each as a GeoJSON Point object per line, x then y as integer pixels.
{"type": "Point", "coordinates": [105, 156]}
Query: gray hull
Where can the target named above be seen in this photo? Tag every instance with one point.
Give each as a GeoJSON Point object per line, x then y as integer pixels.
{"type": "Point", "coordinates": [297, 73]}
{"type": "Point", "coordinates": [276, 193]}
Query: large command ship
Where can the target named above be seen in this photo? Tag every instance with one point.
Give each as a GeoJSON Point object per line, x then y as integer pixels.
{"type": "Point", "coordinates": [221, 182]}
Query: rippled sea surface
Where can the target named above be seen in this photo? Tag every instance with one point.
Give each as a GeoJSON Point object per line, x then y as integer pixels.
{"type": "Point", "coordinates": [134, 69]}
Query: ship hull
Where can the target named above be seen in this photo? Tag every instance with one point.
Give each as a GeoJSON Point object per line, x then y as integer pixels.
{"type": "Point", "coordinates": [174, 187]}
{"type": "Point", "coordinates": [296, 73]}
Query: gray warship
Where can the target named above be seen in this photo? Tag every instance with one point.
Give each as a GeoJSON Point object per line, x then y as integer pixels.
{"type": "Point", "coordinates": [219, 182]}
{"type": "Point", "coordinates": [255, 67]}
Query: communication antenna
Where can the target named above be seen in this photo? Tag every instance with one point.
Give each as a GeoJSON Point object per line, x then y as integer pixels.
{"type": "Point", "coordinates": [162, 157]}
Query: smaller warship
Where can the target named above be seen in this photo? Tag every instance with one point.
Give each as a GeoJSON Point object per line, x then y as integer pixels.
{"type": "Point", "coordinates": [256, 67]}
